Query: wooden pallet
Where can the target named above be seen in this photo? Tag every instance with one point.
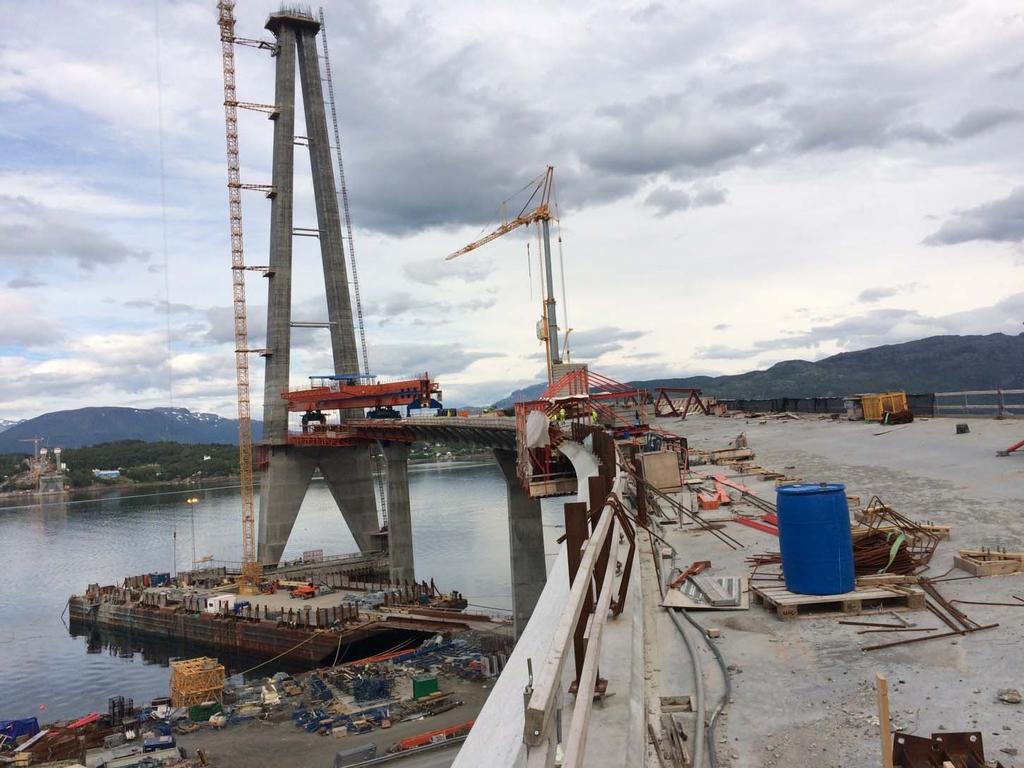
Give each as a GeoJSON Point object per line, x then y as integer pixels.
{"type": "Point", "coordinates": [982, 562]}
{"type": "Point", "coordinates": [865, 516]}
{"type": "Point", "coordinates": [789, 605]}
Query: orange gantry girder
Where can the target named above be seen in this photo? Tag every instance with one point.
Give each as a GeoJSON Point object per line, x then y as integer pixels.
{"type": "Point", "coordinates": [339, 393]}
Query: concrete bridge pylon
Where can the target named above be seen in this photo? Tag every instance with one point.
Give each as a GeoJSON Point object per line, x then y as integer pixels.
{"type": "Point", "coordinates": [347, 471]}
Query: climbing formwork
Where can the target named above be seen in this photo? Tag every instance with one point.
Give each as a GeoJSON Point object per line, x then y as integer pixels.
{"type": "Point", "coordinates": [574, 405]}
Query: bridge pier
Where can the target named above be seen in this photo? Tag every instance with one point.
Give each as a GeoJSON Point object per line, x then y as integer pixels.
{"type": "Point", "coordinates": [525, 543]}
{"type": "Point", "coordinates": [286, 480]}
{"type": "Point", "coordinates": [282, 489]}
{"type": "Point", "coordinates": [349, 477]}
{"type": "Point", "coordinates": [396, 455]}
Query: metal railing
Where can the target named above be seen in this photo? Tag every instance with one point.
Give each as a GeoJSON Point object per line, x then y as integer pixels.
{"type": "Point", "coordinates": [548, 680]}
{"type": "Point", "coordinates": [593, 589]}
{"type": "Point", "coordinates": [980, 402]}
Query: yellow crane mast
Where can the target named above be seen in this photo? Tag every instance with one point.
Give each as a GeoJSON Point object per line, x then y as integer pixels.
{"type": "Point", "coordinates": [250, 565]}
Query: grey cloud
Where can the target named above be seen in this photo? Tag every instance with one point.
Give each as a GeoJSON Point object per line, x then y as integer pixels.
{"type": "Point", "coordinates": [707, 194]}
{"type": "Point", "coordinates": [412, 358]}
{"type": "Point", "coordinates": [870, 295]}
{"type": "Point", "coordinates": [427, 132]}
{"type": "Point", "coordinates": [400, 303]}
{"type": "Point", "coordinates": [32, 232]}
{"type": "Point", "coordinates": [665, 134]}
{"type": "Point", "coordinates": [1000, 221]}
{"type": "Point", "coordinates": [752, 94]}
{"type": "Point", "coordinates": [916, 132]}
{"type": "Point", "coordinates": [469, 269]}
{"type": "Point", "coordinates": [856, 120]}
{"type": "Point", "coordinates": [25, 281]}
{"type": "Point", "coordinates": [593, 343]}
{"type": "Point", "coordinates": [220, 325]}
{"type": "Point", "coordinates": [22, 330]}
{"type": "Point", "coordinates": [1010, 72]}
{"type": "Point", "coordinates": [720, 327]}
{"type": "Point", "coordinates": [724, 352]}
{"type": "Point", "coordinates": [666, 200]}
{"type": "Point", "coordinates": [159, 305]}
{"type": "Point", "coordinates": [438, 138]}
{"type": "Point", "coordinates": [979, 121]}
{"type": "Point", "coordinates": [884, 326]}
{"type": "Point", "coordinates": [396, 304]}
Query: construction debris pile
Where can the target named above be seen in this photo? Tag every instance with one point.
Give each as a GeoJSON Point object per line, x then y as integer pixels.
{"type": "Point", "coordinates": [350, 699]}
{"type": "Point", "coordinates": [125, 737]}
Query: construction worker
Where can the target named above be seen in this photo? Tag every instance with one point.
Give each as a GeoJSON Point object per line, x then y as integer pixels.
{"type": "Point", "coordinates": [593, 417]}
{"type": "Point", "coordinates": [561, 415]}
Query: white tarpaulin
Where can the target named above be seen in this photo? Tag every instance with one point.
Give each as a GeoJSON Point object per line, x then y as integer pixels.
{"type": "Point", "coordinates": [537, 430]}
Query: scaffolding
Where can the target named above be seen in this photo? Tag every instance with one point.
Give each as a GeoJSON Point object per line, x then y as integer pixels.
{"type": "Point", "coordinates": [196, 681]}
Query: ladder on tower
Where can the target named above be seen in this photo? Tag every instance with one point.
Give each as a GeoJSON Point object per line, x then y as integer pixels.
{"type": "Point", "coordinates": [342, 188]}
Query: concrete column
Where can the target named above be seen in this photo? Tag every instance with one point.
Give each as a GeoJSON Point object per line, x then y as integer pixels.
{"type": "Point", "coordinates": [284, 486]}
{"type": "Point", "coordinates": [279, 284]}
{"type": "Point", "coordinates": [525, 543]}
{"type": "Point", "coordinates": [339, 305]}
{"type": "Point", "coordinates": [396, 456]}
{"type": "Point", "coordinates": [348, 475]}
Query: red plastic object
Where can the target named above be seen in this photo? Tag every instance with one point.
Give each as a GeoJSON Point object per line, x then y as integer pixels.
{"type": "Point", "coordinates": [757, 525]}
{"type": "Point", "coordinates": [83, 721]}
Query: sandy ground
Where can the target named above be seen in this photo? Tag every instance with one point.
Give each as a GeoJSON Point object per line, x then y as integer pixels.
{"type": "Point", "coordinates": [258, 744]}
{"type": "Point", "coordinates": [803, 691]}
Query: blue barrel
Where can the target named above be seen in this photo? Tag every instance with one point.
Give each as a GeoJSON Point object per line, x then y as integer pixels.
{"type": "Point", "coordinates": [814, 537]}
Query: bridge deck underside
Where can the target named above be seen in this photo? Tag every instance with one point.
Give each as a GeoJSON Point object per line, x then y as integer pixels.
{"type": "Point", "coordinates": [498, 432]}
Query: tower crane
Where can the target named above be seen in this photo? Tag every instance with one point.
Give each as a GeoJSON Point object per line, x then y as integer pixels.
{"type": "Point", "coordinates": [543, 188]}
{"type": "Point", "coordinates": [250, 565]}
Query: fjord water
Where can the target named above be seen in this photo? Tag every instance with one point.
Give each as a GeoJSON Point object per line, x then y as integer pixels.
{"type": "Point", "coordinates": [51, 551]}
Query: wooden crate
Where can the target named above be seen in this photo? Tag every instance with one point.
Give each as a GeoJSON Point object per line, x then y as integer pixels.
{"type": "Point", "coordinates": [989, 563]}
{"type": "Point", "coordinates": [789, 605]}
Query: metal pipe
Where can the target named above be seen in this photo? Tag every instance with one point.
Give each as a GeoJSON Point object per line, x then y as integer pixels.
{"type": "Point", "coordinates": [926, 637]}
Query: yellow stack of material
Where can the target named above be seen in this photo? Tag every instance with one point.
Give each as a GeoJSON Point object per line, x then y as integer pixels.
{"type": "Point", "coordinates": [877, 405]}
{"type": "Point", "coordinates": [196, 681]}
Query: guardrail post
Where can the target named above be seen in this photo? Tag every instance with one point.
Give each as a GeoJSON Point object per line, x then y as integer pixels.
{"type": "Point", "coordinates": [575, 535]}
{"type": "Point", "coordinates": [641, 492]}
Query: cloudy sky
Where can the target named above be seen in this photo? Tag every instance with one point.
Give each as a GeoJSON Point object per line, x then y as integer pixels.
{"type": "Point", "coordinates": [739, 183]}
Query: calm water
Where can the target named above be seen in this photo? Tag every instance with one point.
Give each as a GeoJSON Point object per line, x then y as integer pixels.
{"type": "Point", "coordinates": [52, 551]}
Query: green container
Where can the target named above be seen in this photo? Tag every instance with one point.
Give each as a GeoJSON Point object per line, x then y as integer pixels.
{"type": "Point", "coordinates": [424, 685]}
{"type": "Point", "coordinates": [201, 713]}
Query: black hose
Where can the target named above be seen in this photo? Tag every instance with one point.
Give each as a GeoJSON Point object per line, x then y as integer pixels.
{"type": "Point", "coordinates": [726, 695]}
{"type": "Point", "coordinates": [698, 678]}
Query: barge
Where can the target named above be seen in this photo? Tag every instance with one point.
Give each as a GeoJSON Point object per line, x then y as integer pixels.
{"type": "Point", "coordinates": [350, 616]}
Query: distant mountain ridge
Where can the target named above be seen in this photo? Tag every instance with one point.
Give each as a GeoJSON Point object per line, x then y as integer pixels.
{"type": "Point", "coordinates": [934, 364]}
{"type": "Point", "coordinates": [89, 426]}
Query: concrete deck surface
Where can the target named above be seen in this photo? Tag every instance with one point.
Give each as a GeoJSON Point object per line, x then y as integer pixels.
{"type": "Point", "coordinates": [803, 691]}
